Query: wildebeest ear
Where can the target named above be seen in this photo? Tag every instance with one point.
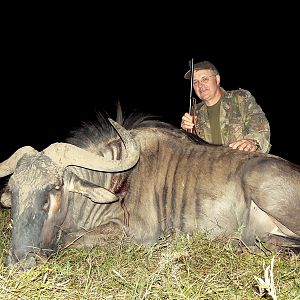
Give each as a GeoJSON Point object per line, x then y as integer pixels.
{"type": "Point", "coordinates": [8, 166]}
{"type": "Point", "coordinates": [94, 192]}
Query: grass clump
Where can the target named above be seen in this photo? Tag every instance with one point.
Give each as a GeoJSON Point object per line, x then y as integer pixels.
{"type": "Point", "coordinates": [177, 267]}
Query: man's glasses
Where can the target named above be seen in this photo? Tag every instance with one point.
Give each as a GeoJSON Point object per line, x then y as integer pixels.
{"type": "Point", "coordinates": [204, 79]}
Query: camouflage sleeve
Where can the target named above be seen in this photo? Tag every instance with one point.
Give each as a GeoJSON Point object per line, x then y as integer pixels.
{"type": "Point", "coordinates": [256, 124]}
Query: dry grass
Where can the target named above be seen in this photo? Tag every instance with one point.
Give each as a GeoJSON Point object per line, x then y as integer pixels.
{"type": "Point", "coordinates": [178, 267]}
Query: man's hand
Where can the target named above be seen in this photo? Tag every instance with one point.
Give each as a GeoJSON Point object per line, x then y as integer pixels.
{"type": "Point", "coordinates": [245, 145]}
{"type": "Point", "coordinates": [187, 122]}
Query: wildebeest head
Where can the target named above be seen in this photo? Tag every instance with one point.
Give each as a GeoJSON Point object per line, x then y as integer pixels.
{"type": "Point", "coordinates": [37, 191]}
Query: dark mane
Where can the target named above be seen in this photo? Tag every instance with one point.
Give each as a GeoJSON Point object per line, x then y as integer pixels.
{"type": "Point", "coordinates": [100, 130]}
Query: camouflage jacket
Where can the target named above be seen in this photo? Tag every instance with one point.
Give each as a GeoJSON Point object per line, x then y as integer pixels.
{"type": "Point", "coordinates": [240, 118]}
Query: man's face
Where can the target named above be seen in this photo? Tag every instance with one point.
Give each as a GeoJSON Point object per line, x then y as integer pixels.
{"type": "Point", "coordinates": [206, 84]}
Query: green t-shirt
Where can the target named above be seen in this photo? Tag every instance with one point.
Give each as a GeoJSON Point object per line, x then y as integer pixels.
{"type": "Point", "coordinates": [214, 121]}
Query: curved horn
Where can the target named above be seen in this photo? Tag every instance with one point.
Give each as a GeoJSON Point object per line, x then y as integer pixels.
{"type": "Point", "coordinates": [69, 155]}
{"type": "Point", "coordinates": [8, 166]}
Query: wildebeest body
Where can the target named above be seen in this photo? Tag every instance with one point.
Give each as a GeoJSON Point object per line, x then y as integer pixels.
{"type": "Point", "coordinates": [176, 183]}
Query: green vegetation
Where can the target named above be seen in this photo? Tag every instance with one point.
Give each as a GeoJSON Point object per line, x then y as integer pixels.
{"type": "Point", "coordinates": [178, 267]}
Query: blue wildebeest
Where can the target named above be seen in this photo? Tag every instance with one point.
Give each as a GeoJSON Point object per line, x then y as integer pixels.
{"type": "Point", "coordinates": [143, 177]}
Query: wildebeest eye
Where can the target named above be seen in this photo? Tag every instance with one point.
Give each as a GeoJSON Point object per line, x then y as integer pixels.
{"type": "Point", "coordinates": [53, 191]}
{"type": "Point", "coordinates": [46, 203]}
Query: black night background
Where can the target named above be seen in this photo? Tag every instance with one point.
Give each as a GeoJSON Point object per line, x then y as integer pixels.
{"type": "Point", "coordinates": [55, 77]}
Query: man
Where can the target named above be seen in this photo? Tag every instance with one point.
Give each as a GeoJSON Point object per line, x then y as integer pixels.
{"type": "Point", "coordinates": [231, 118]}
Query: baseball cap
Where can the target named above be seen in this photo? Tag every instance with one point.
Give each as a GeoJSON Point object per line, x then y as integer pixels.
{"type": "Point", "coordinates": [202, 65]}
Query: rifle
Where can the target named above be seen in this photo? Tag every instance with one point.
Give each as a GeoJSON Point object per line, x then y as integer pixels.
{"type": "Point", "coordinates": [192, 99]}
